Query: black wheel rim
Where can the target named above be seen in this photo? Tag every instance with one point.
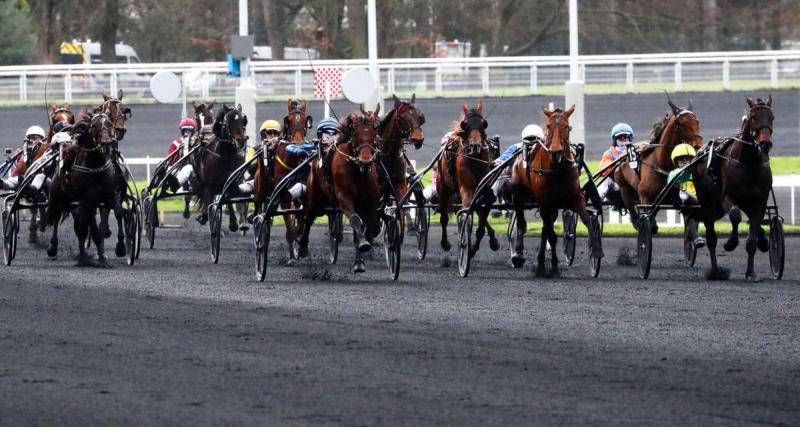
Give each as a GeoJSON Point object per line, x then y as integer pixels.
{"type": "Point", "coordinates": [570, 228]}
{"type": "Point", "coordinates": [644, 247]}
{"type": "Point", "coordinates": [422, 224]}
{"type": "Point", "coordinates": [149, 223]}
{"type": "Point", "coordinates": [130, 237]}
{"type": "Point", "coordinates": [263, 230]}
{"type": "Point", "coordinates": [689, 234]}
{"type": "Point", "coordinates": [7, 231]}
{"type": "Point", "coordinates": [464, 243]}
{"type": "Point", "coordinates": [776, 248]}
{"type": "Point", "coordinates": [511, 231]}
{"type": "Point", "coordinates": [334, 222]}
{"type": "Point", "coordinates": [215, 223]}
{"type": "Point", "coordinates": [597, 226]}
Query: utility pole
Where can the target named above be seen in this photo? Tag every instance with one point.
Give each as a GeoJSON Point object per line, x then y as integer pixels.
{"type": "Point", "coordinates": [246, 91]}
{"type": "Point", "coordinates": [372, 37]}
{"type": "Point", "coordinates": [573, 89]}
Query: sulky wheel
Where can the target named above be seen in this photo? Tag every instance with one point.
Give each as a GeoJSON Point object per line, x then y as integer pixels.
{"type": "Point", "coordinates": [335, 235]}
{"type": "Point", "coordinates": [644, 246]}
{"type": "Point", "coordinates": [464, 243]}
{"type": "Point", "coordinates": [261, 232]}
{"type": "Point", "coordinates": [10, 225]}
{"type": "Point", "coordinates": [511, 231]}
{"type": "Point", "coordinates": [689, 235]}
{"type": "Point", "coordinates": [570, 222]}
{"type": "Point", "coordinates": [137, 213]}
{"type": "Point", "coordinates": [597, 228]}
{"type": "Point", "coordinates": [150, 220]}
{"type": "Point", "coordinates": [129, 229]}
{"type": "Point", "coordinates": [422, 222]}
{"type": "Point", "coordinates": [776, 247]}
{"type": "Point", "coordinates": [393, 243]}
{"type": "Point", "coordinates": [215, 225]}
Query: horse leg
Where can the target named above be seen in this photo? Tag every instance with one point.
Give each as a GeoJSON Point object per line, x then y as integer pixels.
{"type": "Point", "coordinates": [715, 273]}
{"type": "Point", "coordinates": [291, 235]}
{"type": "Point", "coordinates": [99, 242]}
{"type": "Point", "coordinates": [233, 226]}
{"type": "Point", "coordinates": [81, 227]}
{"type": "Point", "coordinates": [105, 229]}
{"type": "Point", "coordinates": [186, 201]}
{"type": "Point", "coordinates": [120, 249]}
{"type": "Point", "coordinates": [549, 232]}
{"type": "Point", "coordinates": [517, 258]}
{"type": "Point", "coordinates": [494, 245]}
{"type": "Point", "coordinates": [594, 239]}
{"type": "Point", "coordinates": [42, 220]}
{"type": "Point", "coordinates": [242, 208]}
{"type": "Point", "coordinates": [33, 227]}
{"type": "Point", "coordinates": [444, 217]}
{"type": "Point", "coordinates": [358, 264]}
{"type": "Point", "coordinates": [52, 248]}
{"type": "Point", "coordinates": [754, 217]}
{"type": "Point", "coordinates": [735, 214]}
{"type": "Point", "coordinates": [540, 271]}
{"type": "Point", "coordinates": [479, 232]}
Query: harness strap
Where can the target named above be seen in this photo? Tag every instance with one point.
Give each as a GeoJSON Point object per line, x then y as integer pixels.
{"type": "Point", "coordinates": [655, 168]}
{"type": "Point", "coordinates": [99, 169]}
{"type": "Point", "coordinates": [281, 162]}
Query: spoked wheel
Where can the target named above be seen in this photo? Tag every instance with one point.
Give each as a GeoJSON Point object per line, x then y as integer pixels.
{"type": "Point", "coordinates": [422, 222]}
{"type": "Point", "coordinates": [464, 243]}
{"type": "Point", "coordinates": [689, 235]}
{"type": "Point", "coordinates": [10, 230]}
{"type": "Point", "coordinates": [131, 232]}
{"type": "Point", "coordinates": [335, 235]}
{"type": "Point", "coordinates": [150, 220]}
{"type": "Point", "coordinates": [215, 224]}
{"type": "Point", "coordinates": [776, 248]}
{"type": "Point", "coordinates": [261, 233]}
{"type": "Point", "coordinates": [137, 213]}
{"type": "Point", "coordinates": [393, 242]}
{"type": "Point", "coordinates": [645, 246]}
{"type": "Point", "coordinates": [570, 222]}
{"type": "Point", "coordinates": [597, 228]}
{"type": "Point", "coordinates": [511, 231]}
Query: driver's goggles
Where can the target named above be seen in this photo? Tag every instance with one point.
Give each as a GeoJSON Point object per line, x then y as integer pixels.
{"type": "Point", "coordinates": [330, 131]}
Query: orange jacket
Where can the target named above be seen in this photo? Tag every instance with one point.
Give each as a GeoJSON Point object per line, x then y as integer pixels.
{"type": "Point", "coordinates": [609, 156]}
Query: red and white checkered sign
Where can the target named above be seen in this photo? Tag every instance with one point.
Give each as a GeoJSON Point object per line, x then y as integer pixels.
{"type": "Point", "coordinates": [330, 75]}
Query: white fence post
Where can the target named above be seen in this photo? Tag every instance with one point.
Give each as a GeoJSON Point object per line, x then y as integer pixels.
{"type": "Point", "coordinates": [792, 189]}
{"type": "Point", "coordinates": [148, 168]}
{"type": "Point", "coordinates": [23, 87]}
{"type": "Point", "coordinates": [205, 86]}
{"type": "Point", "coordinates": [438, 81]}
{"type": "Point", "coordinates": [773, 73]}
{"type": "Point", "coordinates": [114, 83]}
{"type": "Point", "coordinates": [534, 79]}
{"type": "Point", "coordinates": [678, 76]}
{"type": "Point", "coordinates": [390, 80]}
{"type": "Point", "coordinates": [726, 75]}
{"type": "Point", "coordinates": [68, 87]}
{"type": "Point", "coordinates": [298, 83]}
{"type": "Point", "coordinates": [485, 80]}
{"type": "Point", "coordinates": [629, 77]}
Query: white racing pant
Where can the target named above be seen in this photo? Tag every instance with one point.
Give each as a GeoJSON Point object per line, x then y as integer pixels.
{"type": "Point", "coordinates": [429, 193]}
{"type": "Point", "coordinates": [39, 182]}
{"type": "Point", "coordinates": [297, 191]}
{"type": "Point", "coordinates": [185, 175]}
{"type": "Point", "coordinates": [246, 187]}
{"type": "Point", "coordinates": [606, 187]}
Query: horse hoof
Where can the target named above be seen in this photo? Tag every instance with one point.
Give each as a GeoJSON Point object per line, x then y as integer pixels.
{"type": "Point", "coordinates": [699, 243]}
{"type": "Point", "coordinates": [731, 244]}
{"type": "Point", "coordinates": [359, 267]}
{"type": "Point", "coordinates": [517, 261]}
{"type": "Point", "coordinates": [763, 244]}
{"type": "Point", "coordinates": [752, 278]}
{"type": "Point", "coordinates": [302, 251]}
{"type": "Point", "coordinates": [598, 253]}
{"type": "Point", "coordinates": [84, 262]}
{"type": "Point", "coordinates": [103, 263]}
{"type": "Point", "coordinates": [555, 272]}
{"type": "Point", "coordinates": [52, 251]}
{"type": "Point", "coordinates": [446, 246]}
{"type": "Point", "coordinates": [186, 213]}
{"type": "Point", "coordinates": [494, 244]}
{"type": "Point", "coordinates": [32, 239]}
{"type": "Point", "coordinates": [119, 250]}
{"type": "Point", "coordinates": [718, 274]}
{"type": "Point", "coordinates": [243, 227]}
{"type": "Point", "coordinates": [540, 271]}
{"type": "Point", "coordinates": [233, 227]}
{"type": "Point", "coordinates": [364, 247]}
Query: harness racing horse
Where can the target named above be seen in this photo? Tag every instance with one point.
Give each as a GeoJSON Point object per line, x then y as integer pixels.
{"type": "Point", "coordinates": [466, 160]}
{"type": "Point", "coordinates": [549, 173]}
{"type": "Point", "coordinates": [31, 155]}
{"type": "Point", "coordinates": [738, 179]}
{"type": "Point", "coordinates": [88, 179]}
{"type": "Point", "coordinates": [276, 163]}
{"type": "Point", "coordinates": [402, 123]}
{"type": "Point", "coordinates": [203, 114]}
{"type": "Point", "coordinates": [642, 186]}
{"type": "Point", "coordinates": [353, 186]}
{"type": "Point", "coordinates": [221, 156]}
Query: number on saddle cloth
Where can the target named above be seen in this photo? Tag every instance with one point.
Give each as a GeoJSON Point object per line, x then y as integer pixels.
{"type": "Point", "coordinates": [633, 157]}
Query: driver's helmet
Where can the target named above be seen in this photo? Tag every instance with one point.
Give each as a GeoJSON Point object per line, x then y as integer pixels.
{"type": "Point", "coordinates": [34, 131]}
{"type": "Point", "coordinates": [328, 129]}
{"type": "Point", "coordinates": [63, 126]}
{"type": "Point", "coordinates": [187, 126]}
{"type": "Point", "coordinates": [682, 150]}
{"type": "Point", "coordinates": [621, 129]}
{"type": "Point", "coordinates": [270, 130]}
{"type": "Point", "coordinates": [532, 133]}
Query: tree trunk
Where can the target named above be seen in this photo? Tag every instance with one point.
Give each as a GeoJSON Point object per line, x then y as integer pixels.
{"type": "Point", "coordinates": [109, 24]}
{"type": "Point", "coordinates": [275, 19]}
{"type": "Point", "coordinates": [710, 25]}
{"type": "Point", "coordinates": [46, 33]}
{"type": "Point", "coordinates": [357, 30]}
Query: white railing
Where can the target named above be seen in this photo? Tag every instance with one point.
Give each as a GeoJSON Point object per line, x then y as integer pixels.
{"type": "Point", "coordinates": [428, 77]}
{"type": "Point", "coordinates": [672, 218]}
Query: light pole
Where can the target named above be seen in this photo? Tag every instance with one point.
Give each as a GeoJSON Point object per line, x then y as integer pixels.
{"type": "Point", "coordinates": [573, 89]}
{"type": "Point", "coordinates": [246, 91]}
{"type": "Point", "coordinates": [372, 37]}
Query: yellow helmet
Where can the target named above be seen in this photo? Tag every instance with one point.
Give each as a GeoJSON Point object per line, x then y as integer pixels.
{"type": "Point", "coordinates": [682, 150]}
{"type": "Point", "coordinates": [269, 125]}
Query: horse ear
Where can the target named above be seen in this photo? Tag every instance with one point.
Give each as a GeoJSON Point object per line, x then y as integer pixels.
{"type": "Point", "coordinates": [303, 107]}
{"type": "Point", "coordinates": [480, 107]}
{"type": "Point", "coordinates": [413, 98]}
{"type": "Point", "coordinates": [769, 101]}
{"type": "Point", "coordinates": [465, 107]}
{"type": "Point", "coordinates": [750, 102]}
{"type": "Point", "coordinates": [289, 105]}
{"type": "Point", "coordinates": [194, 104]}
{"type": "Point", "coordinates": [53, 108]}
{"type": "Point", "coordinates": [66, 105]}
{"type": "Point", "coordinates": [547, 111]}
{"type": "Point", "coordinates": [377, 110]}
{"type": "Point", "coordinates": [239, 107]}
{"type": "Point", "coordinates": [675, 108]}
{"type": "Point", "coordinates": [396, 101]}
{"type": "Point", "coordinates": [210, 105]}
{"type": "Point", "coordinates": [361, 107]}
{"type": "Point", "coordinates": [119, 94]}
{"type": "Point", "coordinates": [569, 111]}
{"type": "Point", "coordinates": [105, 97]}
{"type": "Point", "coordinates": [689, 105]}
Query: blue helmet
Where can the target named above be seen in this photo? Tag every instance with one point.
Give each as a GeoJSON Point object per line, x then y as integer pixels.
{"type": "Point", "coordinates": [621, 129]}
{"type": "Point", "coordinates": [327, 123]}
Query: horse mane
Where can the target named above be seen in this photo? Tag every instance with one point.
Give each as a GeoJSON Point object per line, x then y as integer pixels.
{"type": "Point", "coordinates": [385, 121]}
{"type": "Point", "coordinates": [655, 135]}
{"type": "Point", "coordinates": [217, 129]}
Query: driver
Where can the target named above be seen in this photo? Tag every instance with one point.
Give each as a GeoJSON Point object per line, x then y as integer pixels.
{"type": "Point", "coordinates": [621, 136]}
{"type": "Point", "coordinates": [185, 175]}
{"type": "Point", "coordinates": [530, 134]}
{"type": "Point", "coordinates": [34, 137]}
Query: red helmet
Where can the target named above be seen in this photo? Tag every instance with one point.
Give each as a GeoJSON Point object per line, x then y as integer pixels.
{"type": "Point", "coordinates": [187, 123]}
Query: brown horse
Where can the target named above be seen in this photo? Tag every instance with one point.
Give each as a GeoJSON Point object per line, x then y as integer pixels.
{"type": "Point", "coordinates": [203, 114]}
{"type": "Point", "coordinates": [466, 160]}
{"type": "Point", "coordinates": [680, 126]}
{"type": "Point", "coordinates": [276, 163]}
{"type": "Point", "coordinates": [548, 172]}
{"type": "Point", "coordinates": [739, 179]}
{"type": "Point", "coordinates": [402, 123]}
{"type": "Point", "coordinates": [353, 186]}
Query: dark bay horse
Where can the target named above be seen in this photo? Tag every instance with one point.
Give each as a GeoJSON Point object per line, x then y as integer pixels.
{"type": "Point", "coordinates": [88, 179]}
{"type": "Point", "coordinates": [402, 123]}
{"type": "Point", "coordinates": [353, 186]}
{"type": "Point", "coordinates": [739, 179]}
{"type": "Point", "coordinates": [221, 156]}
{"type": "Point", "coordinates": [680, 126]}
{"type": "Point", "coordinates": [466, 160]}
{"type": "Point", "coordinates": [548, 173]}
{"type": "Point", "coordinates": [276, 163]}
{"type": "Point", "coordinates": [203, 114]}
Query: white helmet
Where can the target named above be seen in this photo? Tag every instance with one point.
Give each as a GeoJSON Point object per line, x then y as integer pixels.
{"type": "Point", "coordinates": [35, 130]}
{"type": "Point", "coordinates": [61, 138]}
{"type": "Point", "coordinates": [532, 132]}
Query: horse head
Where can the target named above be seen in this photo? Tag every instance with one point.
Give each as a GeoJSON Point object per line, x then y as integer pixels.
{"type": "Point", "coordinates": [230, 124]}
{"type": "Point", "coordinates": [203, 113]}
{"type": "Point", "coordinates": [757, 126]}
{"type": "Point", "coordinates": [410, 120]}
{"type": "Point", "coordinates": [687, 125]}
{"type": "Point", "coordinates": [297, 122]}
{"type": "Point", "coordinates": [61, 114]}
{"type": "Point", "coordinates": [361, 131]}
{"type": "Point", "coordinates": [473, 129]}
{"type": "Point", "coordinates": [117, 114]}
{"type": "Point", "coordinates": [557, 133]}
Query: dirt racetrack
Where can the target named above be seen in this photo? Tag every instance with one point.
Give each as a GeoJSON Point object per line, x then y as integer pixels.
{"type": "Point", "coordinates": [177, 340]}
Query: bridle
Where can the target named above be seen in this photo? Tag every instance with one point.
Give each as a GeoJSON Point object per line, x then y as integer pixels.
{"type": "Point", "coordinates": [473, 121]}
{"type": "Point", "coordinates": [692, 137]}
{"type": "Point", "coordinates": [118, 123]}
{"type": "Point", "coordinates": [225, 133]}
{"type": "Point", "coordinates": [749, 138]}
{"type": "Point", "coordinates": [355, 149]}
{"type": "Point", "coordinates": [290, 124]}
{"type": "Point", "coordinates": [413, 122]}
